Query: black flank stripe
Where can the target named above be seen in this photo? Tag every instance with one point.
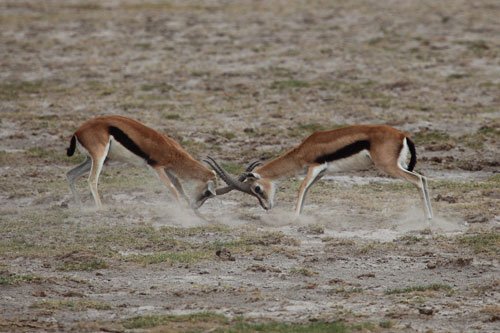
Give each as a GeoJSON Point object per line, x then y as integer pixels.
{"type": "Point", "coordinates": [344, 152]}
{"type": "Point", "coordinates": [122, 138]}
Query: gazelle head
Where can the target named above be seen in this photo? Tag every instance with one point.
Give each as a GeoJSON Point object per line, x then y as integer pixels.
{"type": "Point", "coordinates": [203, 192]}
{"type": "Point", "coordinates": [249, 182]}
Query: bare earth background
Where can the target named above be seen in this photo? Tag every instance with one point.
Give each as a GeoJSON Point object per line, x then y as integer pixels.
{"type": "Point", "coordinates": [242, 80]}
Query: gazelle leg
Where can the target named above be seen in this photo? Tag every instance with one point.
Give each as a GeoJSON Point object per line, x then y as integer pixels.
{"type": "Point", "coordinates": [178, 186]}
{"type": "Point", "coordinates": [76, 173]}
{"type": "Point", "coordinates": [418, 180]}
{"type": "Point", "coordinates": [168, 183]}
{"type": "Point", "coordinates": [427, 197]}
{"type": "Point", "coordinates": [95, 171]}
{"type": "Point", "coordinates": [314, 173]}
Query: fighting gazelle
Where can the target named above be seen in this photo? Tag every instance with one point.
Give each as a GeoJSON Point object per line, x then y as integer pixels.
{"type": "Point", "coordinates": [127, 140]}
{"type": "Point", "coordinates": [344, 149]}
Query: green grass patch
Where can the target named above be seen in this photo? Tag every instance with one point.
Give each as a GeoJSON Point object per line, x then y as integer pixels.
{"type": "Point", "coordinates": [14, 90]}
{"type": "Point", "coordinates": [225, 134]}
{"type": "Point", "coordinates": [185, 257]}
{"type": "Point", "coordinates": [302, 271]}
{"type": "Point", "coordinates": [85, 246]}
{"type": "Point", "coordinates": [289, 84]}
{"type": "Point", "coordinates": [85, 265]}
{"type": "Point", "coordinates": [71, 305]}
{"type": "Point", "coordinates": [412, 289]}
{"type": "Point", "coordinates": [274, 327]}
{"type": "Point", "coordinates": [409, 239]}
{"type": "Point", "coordinates": [48, 154]}
{"type": "Point", "coordinates": [463, 187]}
{"type": "Point", "coordinates": [302, 130]}
{"type": "Point", "coordinates": [386, 324]}
{"type": "Point", "coordinates": [194, 147]}
{"type": "Point", "coordinates": [161, 86]}
{"type": "Point", "coordinates": [457, 76]}
{"type": "Point", "coordinates": [143, 322]}
{"type": "Point", "coordinates": [233, 168]}
{"type": "Point", "coordinates": [171, 116]}
{"type": "Point", "coordinates": [209, 321]}
{"type": "Point", "coordinates": [430, 136]}
{"type": "Point", "coordinates": [8, 279]}
{"type": "Point", "coordinates": [268, 238]}
{"type": "Point", "coordinates": [345, 291]}
{"type": "Point", "coordinates": [478, 139]}
{"type": "Point", "coordinates": [100, 88]}
{"type": "Point", "coordinates": [477, 47]}
{"type": "Point", "coordinates": [485, 243]}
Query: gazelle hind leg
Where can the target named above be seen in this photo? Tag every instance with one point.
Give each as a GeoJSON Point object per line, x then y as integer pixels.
{"type": "Point", "coordinates": [76, 173]}
{"type": "Point", "coordinates": [418, 181]}
{"type": "Point", "coordinates": [427, 197]}
{"type": "Point", "coordinates": [95, 171]}
{"type": "Point", "coordinates": [313, 175]}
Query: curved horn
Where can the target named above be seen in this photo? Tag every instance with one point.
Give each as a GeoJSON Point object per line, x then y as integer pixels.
{"type": "Point", "coordinates": [252, 165]}
{"type": "Point", "coordinates": [228, 179]}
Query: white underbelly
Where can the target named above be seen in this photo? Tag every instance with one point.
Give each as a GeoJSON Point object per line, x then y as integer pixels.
{"type": "Point", "coordinates": [359, 161]}
{"type": "Point", "coordinates": [117, 152]}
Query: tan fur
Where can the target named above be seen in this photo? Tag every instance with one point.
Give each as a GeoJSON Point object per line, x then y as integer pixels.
{"type": "Point", "coordinates": [170, 157]}
{"type": "Point", "coordinates": [385, 148]}
{"type": "Point", "coordinates": [385, 142]}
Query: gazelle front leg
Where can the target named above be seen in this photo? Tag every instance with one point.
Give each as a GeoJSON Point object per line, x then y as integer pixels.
{"type": "Point", "coordinates": [177, 184]}
{"type": "Point", "coordinates": [168, 183]}
{"type": "Point", "coordinates": [314, 173]}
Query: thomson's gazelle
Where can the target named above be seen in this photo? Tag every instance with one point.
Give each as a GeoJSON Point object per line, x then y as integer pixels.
{"type": "Point", "coordinates": [127, 140]}
{"type": "Point", "coordinates": [344, 149]}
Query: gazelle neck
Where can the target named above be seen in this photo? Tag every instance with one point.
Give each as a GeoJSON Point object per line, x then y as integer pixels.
{"type": "Point", "coordinates": [194, 170]}
{"type": "Point", "coordinates": [282, 166]}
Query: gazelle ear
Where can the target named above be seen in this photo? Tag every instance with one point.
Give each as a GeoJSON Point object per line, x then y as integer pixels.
{"type": "Point", "coordinates": [251, 175]}
{"type": "Point", "coordinates": [211, 187]}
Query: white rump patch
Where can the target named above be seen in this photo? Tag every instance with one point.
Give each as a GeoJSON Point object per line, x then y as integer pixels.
{"type": "Point", "coordinates": [403, 156]}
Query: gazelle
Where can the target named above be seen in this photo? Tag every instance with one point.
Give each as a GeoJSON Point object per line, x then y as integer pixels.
{"type": "Point", "coordinates": [344, 149]}
{"type": "Point", "coordinates": [127, 140]}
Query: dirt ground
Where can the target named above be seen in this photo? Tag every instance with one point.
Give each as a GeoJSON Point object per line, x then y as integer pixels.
{"type": "Point", "coordinates": [245, 80]}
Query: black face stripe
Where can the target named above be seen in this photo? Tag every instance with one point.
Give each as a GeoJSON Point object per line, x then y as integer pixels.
{"type": "Point", "coordinates": [123, 138]}
{"type": "Point", "coordinates": [344, 152]}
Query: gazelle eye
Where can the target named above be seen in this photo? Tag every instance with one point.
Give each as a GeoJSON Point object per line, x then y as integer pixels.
{"type": "Point", "coordinates": [258, 190]}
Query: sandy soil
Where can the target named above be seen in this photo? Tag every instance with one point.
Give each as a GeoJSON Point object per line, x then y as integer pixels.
{"type": "Point", "coordinates": [241, 80]}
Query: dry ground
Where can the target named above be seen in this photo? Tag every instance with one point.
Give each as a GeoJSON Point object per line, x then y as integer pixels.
{"type": "Point", "coordinates": [242, 80]}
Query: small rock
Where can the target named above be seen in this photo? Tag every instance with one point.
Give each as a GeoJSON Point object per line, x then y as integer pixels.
{"type": "Point", "coordinates": [426, 311]}
{"type": "Point", "coordinates": [476, 219]}
{"type": "Point", "coordinates": [431, 265]}
{"type": "Point", "coordinates": [39, 293]}
{"type": "Point", "coordinates": [225, 254]}
{"type": "Point", "coordinates": [366, 275]}
{"type": "Point", "coordinates": [311, 286]}
{"type": "Point", "coordinates": [447, 198]}
{"type": "Point", "coordinates": [73, 294]}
